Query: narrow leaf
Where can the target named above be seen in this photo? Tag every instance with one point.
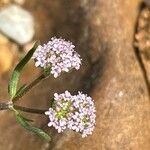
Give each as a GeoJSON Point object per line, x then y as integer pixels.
{"type": "Point", "coordinates": [20, 91]}
{"type": "Point", "coordinates": [26, 119]}
{"type": "Point", "coordinates": [25, 124]}
{"type": "Point", "coordinates": [12, 87]}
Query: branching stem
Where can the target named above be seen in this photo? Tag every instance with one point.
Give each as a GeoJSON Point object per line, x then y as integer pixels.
{"type": "Point", "coordinates": [6, 106]}
{"type": "Point", "coordinates": [29, 87]}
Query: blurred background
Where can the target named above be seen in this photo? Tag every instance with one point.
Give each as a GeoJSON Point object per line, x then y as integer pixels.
{"type": "Point", "coordinates": [113, 39]}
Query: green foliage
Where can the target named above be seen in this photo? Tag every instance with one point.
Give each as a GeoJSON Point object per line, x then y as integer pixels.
{"type": "Point", "coordinates": [20, 90]}
{"type": "Point", "coordinates": [12, 86]}
{"type": "Point", "coordinates": [14, 92]}
{"type": "Point", "coordinates": [25, 124]}
{"type": "Point", "coordinates": [47, 71]}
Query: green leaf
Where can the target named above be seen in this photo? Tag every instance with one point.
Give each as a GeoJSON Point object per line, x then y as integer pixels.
{"type": "Point", "coordinates": [20, 91]}
{"type": "Point", "coordinates": [26, 119]}
{"type": "Point", "coordinates": [12, 86]}
{"type": "Point", "coordinates": [25, 124]}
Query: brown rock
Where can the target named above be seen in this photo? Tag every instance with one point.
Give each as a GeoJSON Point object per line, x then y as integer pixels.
{"type": "Point", "coordinates": [3, 39]}
{"type": "Point", "coordinates": [142, 43]}
{"type": "Point", "coordinates": [143, 32]}
{"type": "Point", "coordinates": [40, 96]}
{"type": "Point", "coordinates": [105, 30]}
{"type": "Point", "coordinates": [120, 93]}
{"type": "Point", "coordinates": [6, 58]}
{"type": "Point", "coordinates": [4, 3]}
{"type": "Point", "coordinates": [8, 52]}
{"type": "Point", "coordinates": [20, 2]}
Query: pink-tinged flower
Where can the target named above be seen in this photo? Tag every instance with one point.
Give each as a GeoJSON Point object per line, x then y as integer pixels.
{"type": "Point", "coordinates": [57, 54]}
{"type": "Point", "coordinates": [75, 112]}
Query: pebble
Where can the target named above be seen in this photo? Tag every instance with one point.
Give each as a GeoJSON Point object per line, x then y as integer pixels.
{"type": "Point", "coordinates": [17, 24]}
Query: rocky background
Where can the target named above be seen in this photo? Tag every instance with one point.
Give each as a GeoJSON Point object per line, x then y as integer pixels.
{"type": "Point", "coordinates": [113, 38]}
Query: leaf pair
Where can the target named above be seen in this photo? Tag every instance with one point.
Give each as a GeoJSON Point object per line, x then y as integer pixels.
{"type": "Point", "coordinates": [13, 92]}
{"type": "Point", "coordinates": [12, 86]}
{"type": "Point", "coordinates": [25, 124]}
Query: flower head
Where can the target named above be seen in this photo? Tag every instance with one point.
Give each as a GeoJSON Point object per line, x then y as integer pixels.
{"type": "Point", "coordinates": [76, 112]}
{"type": "Point", "coordinates": [58, 55]}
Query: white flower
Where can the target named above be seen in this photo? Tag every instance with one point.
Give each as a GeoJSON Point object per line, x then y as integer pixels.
{"type": "Point", "coordinates": [57, 54]}
{"type": "Point", "coordinates": [73, 112]}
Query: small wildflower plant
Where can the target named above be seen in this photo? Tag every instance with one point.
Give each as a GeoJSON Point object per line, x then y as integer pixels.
{"type": "Point", "coordinates": [66, 111]}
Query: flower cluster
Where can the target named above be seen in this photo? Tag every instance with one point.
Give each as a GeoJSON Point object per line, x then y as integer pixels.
{"type": "Point", "coordinates": [58, 55]}
{"type": "Point", "coordinates": [76, 112]}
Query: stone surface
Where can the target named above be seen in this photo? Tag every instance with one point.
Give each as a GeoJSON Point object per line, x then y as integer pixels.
{"type": "Point", "coordinates": [142, 41]}
{"type": "Point", "coordinates": [103, 33]}
{"type": "Point", "coordinates": [120, 92]}
{"type": "Point", "coordinates": [4, 2]}
{"type": "Point", "coordinates": [147, 2]}
{"type": "Point", "coordinates": [40, 96]}
{"type": "Point", "coordinates": [20, 2]}
{"type": "Point", "coordinates": [6, 59]}
{"type": "Point", "coordinates": [7, 54]}
{"type": "Point", "coordinates": [17, 24]}
{"type": "Point", "coordinates": [3, 39]}
{"type": "Point", "coordinates": [143, 32]}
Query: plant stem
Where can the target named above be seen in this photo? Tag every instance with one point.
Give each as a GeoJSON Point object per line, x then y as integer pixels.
{"type": "Point", "coordinates": [30, 110]}
{"type": "Point", "coordinates": [29, 87]}
{"type": "Point", "coordinates": [6, 106]}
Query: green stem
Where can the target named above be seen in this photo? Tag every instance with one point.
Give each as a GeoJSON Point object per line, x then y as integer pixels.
{"type": "Point", "coordinates": [30, 110]}
{"type": "Point", "coordinates": [29, 87]}
{"type": "Point", "coordinates": [6, 106]}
